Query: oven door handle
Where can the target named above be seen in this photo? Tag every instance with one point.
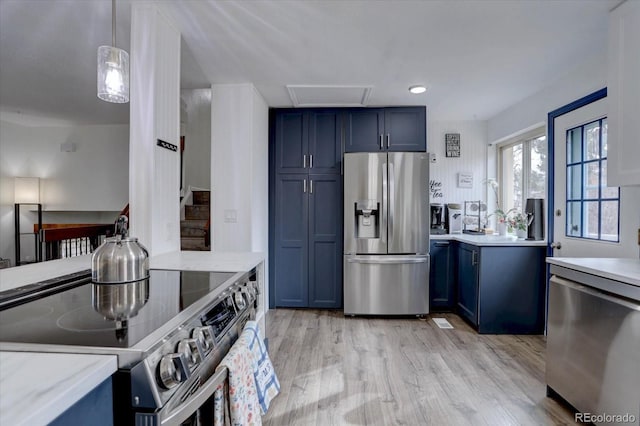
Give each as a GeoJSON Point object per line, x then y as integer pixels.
{"type": "Point", "coordinates": [204, 392]}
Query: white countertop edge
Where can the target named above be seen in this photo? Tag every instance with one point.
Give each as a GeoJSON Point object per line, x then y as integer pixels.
{"type": "Point", "coordinates": [488, 240]}
{"type": "Point", "coordinates": [626, 270]}
{"type": "Point", "coordinates": [36, 272]}
{"type": "Point", "coordinates": [41, 386]}
{"type": "Point", "coordinates": [207, 261]}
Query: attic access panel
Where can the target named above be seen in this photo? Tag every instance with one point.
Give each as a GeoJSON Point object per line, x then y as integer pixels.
{"type": "Point", "coordinates": [326, 95]}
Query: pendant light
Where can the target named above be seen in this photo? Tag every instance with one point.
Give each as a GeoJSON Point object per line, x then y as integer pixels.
{"type": "Point", "coordinates": [113, 68]}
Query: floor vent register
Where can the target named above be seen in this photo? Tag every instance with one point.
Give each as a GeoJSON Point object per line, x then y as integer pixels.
{"type": "Point", "coordinates": [442, 323]}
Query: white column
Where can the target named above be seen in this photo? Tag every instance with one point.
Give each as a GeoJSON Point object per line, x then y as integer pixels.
{"type": "Point", "coordinates": [154, 171]}
{"type": "Point", "coordinates": [239, 171]}
{"type": "Point", "coordinates": [239, 168]}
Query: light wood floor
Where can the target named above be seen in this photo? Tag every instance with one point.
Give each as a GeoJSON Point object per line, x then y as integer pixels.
{"type": "Point", "coordinates": [337, 370]}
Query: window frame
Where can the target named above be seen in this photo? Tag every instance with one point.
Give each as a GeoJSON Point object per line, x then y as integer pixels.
{"type": "Point", "coordinates": [525, 138]}
{"type": "Point", "coordinates": [580, 201]}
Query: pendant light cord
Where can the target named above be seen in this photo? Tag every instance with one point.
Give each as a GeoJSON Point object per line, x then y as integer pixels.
{"type": "Point", "coordinates": [113, 23]}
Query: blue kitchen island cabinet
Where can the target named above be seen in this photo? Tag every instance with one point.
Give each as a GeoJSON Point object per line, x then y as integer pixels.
{"type": "Point", "coordinates": [501, 290]}
{"type": "Point", "coordinates": [442, 284]}
{"type": "Point", "coordinates": [95, 408]}
{"type": "Point", "coordinates": [394, 129]}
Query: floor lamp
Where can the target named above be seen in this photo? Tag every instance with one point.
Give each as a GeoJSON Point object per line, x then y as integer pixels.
{"type": "Point", "coordinates": [27, 192]}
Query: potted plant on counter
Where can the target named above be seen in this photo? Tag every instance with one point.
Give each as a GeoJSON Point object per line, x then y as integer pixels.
{"type": "Point", "coordinates": [520, 223]}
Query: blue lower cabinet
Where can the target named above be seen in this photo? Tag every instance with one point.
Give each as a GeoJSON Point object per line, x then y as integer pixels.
{"type": "Point", "coordinates": [468, 282]}
{"type": "Point", "coordinates": [501, 290]}
{"type": "Point", "coordinates": [442, 283]}
{"type": "Point", "coordinates": [95, 408]}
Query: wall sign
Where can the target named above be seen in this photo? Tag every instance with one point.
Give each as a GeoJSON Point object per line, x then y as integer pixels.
{"type": "Point", "coordinates": [167, 145]}
{"type": "Point", "coordinates": [435, 187]}
{"type": "Point", "coordinates": [465, 180]}
{"type": "Point", "coordinates": [452, 144]}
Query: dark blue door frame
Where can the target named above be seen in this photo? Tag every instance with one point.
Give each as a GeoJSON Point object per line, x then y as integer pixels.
{"type": "Point", "coordinates": [595, 96]}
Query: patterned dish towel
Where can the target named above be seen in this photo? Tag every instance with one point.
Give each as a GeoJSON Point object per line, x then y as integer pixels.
{"type": "Point", "coordinates": [266, 380]}
{"type": "Point", "coordinates": [244, 407]}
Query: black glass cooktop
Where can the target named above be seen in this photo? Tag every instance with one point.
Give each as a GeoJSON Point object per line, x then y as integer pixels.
{"type": "Point", "coordinates": [108, 315]}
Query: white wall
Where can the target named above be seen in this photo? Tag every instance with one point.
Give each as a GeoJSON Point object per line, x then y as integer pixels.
{"type": "Point", "coordinates": [473, 154]}
{"type": "Point", "coordinates": [586, 78]}
{"type": "Point", "coordinates": [195, 123]}
{"type": "Point", "coordinates": [155, 114]}
{"type": "Point", "coordinates": [87, 185]}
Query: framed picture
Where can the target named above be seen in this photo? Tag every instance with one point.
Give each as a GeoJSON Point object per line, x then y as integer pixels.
{"type": "Point", "coordinates": [465, 180]}
{"type": "Point", "coordinates": [452, 144]}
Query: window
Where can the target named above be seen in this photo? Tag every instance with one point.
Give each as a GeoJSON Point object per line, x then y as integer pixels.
{"type": "Point", "coordinates": [523, 170]}
{"type": "Point", "coordinates": [593, 208]}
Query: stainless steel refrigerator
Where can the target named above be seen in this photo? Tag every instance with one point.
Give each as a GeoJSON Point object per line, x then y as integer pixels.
{"type": "Point", "coordinates": [386, 233]}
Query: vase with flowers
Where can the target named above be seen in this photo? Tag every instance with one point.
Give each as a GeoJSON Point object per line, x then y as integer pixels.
{"type": "Point", "coordinates": [520, 223]}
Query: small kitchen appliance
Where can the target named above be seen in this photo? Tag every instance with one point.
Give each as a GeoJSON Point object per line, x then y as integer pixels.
{"type": "Point", "coordinates": [169, 333]}
{"type": "Point", "coordinates": [533, 209]}
{"type": "Point", "coordinates": [437, 227]}
{"type": "Point", "coordinates": [453, 217]}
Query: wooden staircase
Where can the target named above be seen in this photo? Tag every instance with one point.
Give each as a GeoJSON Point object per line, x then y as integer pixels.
{"type": "Point", "coordinates": [194, 230]}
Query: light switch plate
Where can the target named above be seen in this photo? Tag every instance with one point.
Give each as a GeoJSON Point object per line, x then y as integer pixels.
{"type": "Point", "coordinates": [231, 216]}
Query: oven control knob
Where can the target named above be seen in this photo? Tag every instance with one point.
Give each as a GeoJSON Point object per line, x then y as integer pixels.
{"type": "Point", "coordinates": [192, 351]}
{"type": "Point", "coordinates": [204, 335]}
{"type": "Point", "coordinates": [173, 370]}
{"type": "Point", "coordinates": [239, 299]}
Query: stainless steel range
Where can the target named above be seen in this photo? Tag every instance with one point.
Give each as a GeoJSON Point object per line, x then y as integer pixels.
{"type": "Point", "coordinates": [169, 333]}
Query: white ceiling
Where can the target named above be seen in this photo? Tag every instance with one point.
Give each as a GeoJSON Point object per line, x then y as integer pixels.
{"type": "Point", "coordinates": [477, 57]}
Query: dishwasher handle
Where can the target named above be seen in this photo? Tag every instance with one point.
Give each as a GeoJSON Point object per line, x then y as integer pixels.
{"type": "Point", "coordinates": [619, 300]}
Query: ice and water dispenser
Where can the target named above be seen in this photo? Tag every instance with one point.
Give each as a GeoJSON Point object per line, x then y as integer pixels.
{"type": "Point", "coordinates": [367, 219]}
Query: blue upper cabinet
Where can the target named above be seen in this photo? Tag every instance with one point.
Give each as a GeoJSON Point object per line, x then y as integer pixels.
{"type": "Point", "coordinates": [325, 135]}
{"type": "Point", "coordinates": [364, 128]}
{"type": "Point", "coordinates": [386, 129]}
{"type": "Point", "coordinates": [308, 141]}
{"type": "Point", "coordinates": [291, 141]}
{"type": "Point", "coordinates": [405, 129]}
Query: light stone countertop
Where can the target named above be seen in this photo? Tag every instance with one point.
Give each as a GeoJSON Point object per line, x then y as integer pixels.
{"type": "Point", "coordinates": [36, 272]}
{"type": "Point", "coordinates": [619, 269]}
{"type": "Point", "coordinates": [35, 388]}
{"type": "Point", "coordinates": [207, 261]}
{"type": "Point", "coordinates": [181, 260]}
{"type": "Point", "coordinates": [488, 240]}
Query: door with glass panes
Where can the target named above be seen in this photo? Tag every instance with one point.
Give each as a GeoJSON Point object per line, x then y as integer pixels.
{"type": "Point", "coordinates": [590, 218]}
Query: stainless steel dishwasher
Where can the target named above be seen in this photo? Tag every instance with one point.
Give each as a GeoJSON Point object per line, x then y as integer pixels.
{"type": "Point", "coordinates": [593, 345]}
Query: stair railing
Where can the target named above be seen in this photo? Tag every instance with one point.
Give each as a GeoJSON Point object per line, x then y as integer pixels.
{"type": "Point", "coordinates": [63, 240]}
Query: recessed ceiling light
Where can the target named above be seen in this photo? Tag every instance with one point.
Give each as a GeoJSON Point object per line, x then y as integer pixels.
{"type": "Point", "coordinates": [417, 89]}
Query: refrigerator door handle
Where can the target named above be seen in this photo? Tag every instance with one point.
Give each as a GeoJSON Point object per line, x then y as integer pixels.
{"type": "Point", "coordinates": [385, 205]}
{"type": "Point", "coordinates": [386, 260]}
{"type": "Point", "coordinates": [392, 199]}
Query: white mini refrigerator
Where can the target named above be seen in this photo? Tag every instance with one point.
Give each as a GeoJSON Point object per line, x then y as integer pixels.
{"type": "Point", "coordinates": [386, 233]}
